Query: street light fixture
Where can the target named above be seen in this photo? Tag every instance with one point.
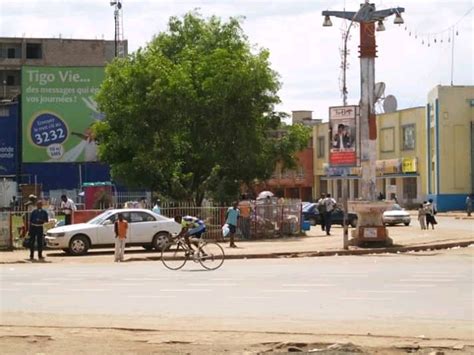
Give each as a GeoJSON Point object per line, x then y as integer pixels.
{"type": "Point", "coordinates": [398, 19]}
{"type": "Point", "coordinates": [380, 26]}
{"type": "Point", "coordinates": [327, 22]}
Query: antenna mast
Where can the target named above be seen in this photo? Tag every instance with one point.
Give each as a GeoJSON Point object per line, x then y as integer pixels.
{"type": "Point", "coordinates": [118, 20]}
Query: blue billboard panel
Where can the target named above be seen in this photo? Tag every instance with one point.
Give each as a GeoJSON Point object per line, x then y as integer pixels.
{"type": "Point", "coordinates": [9, 139]}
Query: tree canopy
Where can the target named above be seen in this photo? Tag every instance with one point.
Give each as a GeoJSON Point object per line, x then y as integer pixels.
{"type": "Point", "coordinates": [192, 113]}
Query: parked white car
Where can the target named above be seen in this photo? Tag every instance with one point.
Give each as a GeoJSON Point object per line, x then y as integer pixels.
{"type": "Point", "coordinates": [396, 215]}
{"type": "Point", "coordinates": [145, 228]}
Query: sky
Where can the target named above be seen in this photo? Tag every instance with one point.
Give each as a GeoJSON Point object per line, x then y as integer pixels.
{"type": "Point", "coordinates": [304, 53]}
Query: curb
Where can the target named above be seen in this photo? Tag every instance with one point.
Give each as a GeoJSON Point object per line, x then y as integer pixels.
{"type": "Point", "coordinates": [339, 252]}
{"type": "Point", "coordinates": [343, 252]}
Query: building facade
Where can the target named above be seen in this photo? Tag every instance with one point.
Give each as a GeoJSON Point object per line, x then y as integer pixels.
{"type": "Point", "coordinates": [450, 145]}
{"type": "Point", "coordinates": [17, 52]}
{"type": "Point", "coordinates": [422, 152]}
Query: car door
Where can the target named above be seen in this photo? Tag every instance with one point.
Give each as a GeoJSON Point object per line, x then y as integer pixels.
{"type": "Point", "coordinates": [106, 233]}
{"type": "Point", "coordinates": [143, 226]}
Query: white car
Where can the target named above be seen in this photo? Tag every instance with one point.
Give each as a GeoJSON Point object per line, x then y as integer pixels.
{"type": "Point", "coordinates": [396, 215]}
{"type": "Point", "coordinates": [145, 228]}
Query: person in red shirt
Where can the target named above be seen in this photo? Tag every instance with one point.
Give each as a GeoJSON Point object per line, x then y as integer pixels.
{"type": "Point", "coordinates": [121, 228]}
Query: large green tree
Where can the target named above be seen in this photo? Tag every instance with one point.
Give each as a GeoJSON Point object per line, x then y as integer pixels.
{"type": "Point", "coordinates": [192, 112]}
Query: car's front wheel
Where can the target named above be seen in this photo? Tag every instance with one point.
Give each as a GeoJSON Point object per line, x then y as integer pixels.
{"type": "Point", "coordinates": [161, 241]}
{"type": "Point", "coordinates": [353, 223]}
{"type": "Point", "coordinates": [313, 221]}
{"type": "Point", "coordinates": [79, 245]}
{"type": "Point", "coordinates": [407, 223]}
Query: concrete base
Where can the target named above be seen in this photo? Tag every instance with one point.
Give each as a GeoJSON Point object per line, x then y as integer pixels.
{"type": "Point", "coordinates": [370, 227]}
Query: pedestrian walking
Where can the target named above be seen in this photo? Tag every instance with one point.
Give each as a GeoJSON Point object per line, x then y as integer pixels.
{"type": "Point", "coordinates": [157, 208]}
{"type": "Point", "coordinates": [245, 208]}
{"type": "Point", "coordinates": [68, 207]}
{"type": "Point", "coordinates": [322, 211]}
{"type": "Point", "coordinates": [469, 204]}
{"type": "Point", "coordinates": [231, 218]}
{"type": "Point", "coordinates": [121, 228]}
{"type": "Point", "coordinates": [329, 204]}
{"type": "Point", "coordinates": [430, 210]}
{"type": "Point", "coordinates": [38, 218]}
{"type": "Point", "coordinates": [422, 216]}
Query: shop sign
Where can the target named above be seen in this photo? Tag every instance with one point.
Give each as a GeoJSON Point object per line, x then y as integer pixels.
{"type": "Point", "coordinates": [409, 165]}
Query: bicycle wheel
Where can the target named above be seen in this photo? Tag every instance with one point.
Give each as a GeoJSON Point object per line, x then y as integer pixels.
{"type": "Point", "coordinates": [211, 256]}
{"type": "Point", "coordinates": [174, 257]}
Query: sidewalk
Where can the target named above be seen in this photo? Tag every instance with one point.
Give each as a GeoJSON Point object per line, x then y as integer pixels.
{"type": "Point", "coordinates": [315, 243]}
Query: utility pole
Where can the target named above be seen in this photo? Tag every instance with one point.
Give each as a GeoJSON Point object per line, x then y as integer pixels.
{"type": "Point", "coordinates": [370, 226]}
{"type": "Point", "coordinates": [366, 17]}
{"type": "Point", "coordinates": [118, 40]}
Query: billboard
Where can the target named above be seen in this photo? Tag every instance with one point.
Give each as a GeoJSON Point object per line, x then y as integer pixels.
{"type": "Point", "coordinates": [58, 110]}
{"type": "Point", "coordinates": [8, 139]}
{"type": "Point", "coordinates": [343, 136]}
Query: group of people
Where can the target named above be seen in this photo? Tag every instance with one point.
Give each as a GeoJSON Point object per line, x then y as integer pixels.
{"type": "Point", "coordinates": [35, 219]}
{"type": "Point", "coordinates": [426, 214]}
{"type": "Point", "coordinates": [326, 205]}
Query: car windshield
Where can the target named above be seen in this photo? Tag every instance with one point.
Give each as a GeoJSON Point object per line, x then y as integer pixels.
{"type": "Point", "coordinates": [396, 207]}
{"type": "Point", "coordinates": [101, 218]}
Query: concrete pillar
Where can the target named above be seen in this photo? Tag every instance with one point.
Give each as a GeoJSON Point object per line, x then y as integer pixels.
{"type": "Point", "coordinates": [368, 128]}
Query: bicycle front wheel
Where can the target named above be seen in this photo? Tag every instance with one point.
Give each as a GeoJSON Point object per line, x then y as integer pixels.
{"type": "Point", "coordinates": [174, 257]}
{"type": "Point", "coordinates": [211, 256]}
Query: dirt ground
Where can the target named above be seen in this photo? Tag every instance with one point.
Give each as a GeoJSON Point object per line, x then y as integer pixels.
{"type": "Point", "coordinates": [91, 340]}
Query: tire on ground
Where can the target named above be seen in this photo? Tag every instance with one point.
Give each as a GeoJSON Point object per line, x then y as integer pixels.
{"type": "Point", "coordinates": [79, 245]}
{"type": "Point", "coordinates": [160, 241]}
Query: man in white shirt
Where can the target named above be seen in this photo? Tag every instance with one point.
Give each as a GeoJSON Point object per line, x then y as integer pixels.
{"type": "Point", "coordinates": [330, 204]}
{"type": "Point", "coordinates": [68, 207]}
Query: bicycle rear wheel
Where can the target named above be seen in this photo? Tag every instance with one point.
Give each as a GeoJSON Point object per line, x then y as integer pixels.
{"type": "Point", "coordinates": [174, 257]}
{"type": "Point", "coordinates": [211, 256]}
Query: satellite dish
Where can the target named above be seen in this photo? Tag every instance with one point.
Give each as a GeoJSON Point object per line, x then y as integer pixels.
{"type": "Point", "coordinates": [379, 91]}
{"type": "Point", "coordinates": [390, 104]}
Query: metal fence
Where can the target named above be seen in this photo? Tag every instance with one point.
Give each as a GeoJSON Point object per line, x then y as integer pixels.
{"type": "Point", "coordinates": [270, 218]}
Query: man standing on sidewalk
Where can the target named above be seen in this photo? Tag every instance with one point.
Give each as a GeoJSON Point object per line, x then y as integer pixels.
{"type": "Point", "coordinates": [68, 207]}
{"type": "Point", "coordinates": [37, 219]}
{"type": "Point", "coordinates": [231, 217]}
{"type": "Point", "coordinates": [121, 227]}
{"type": "Point", "coordinates": [469, 205]}
{"type": "Point", "coordinates": [322, 211]}
{"type": "Point", "coordinates": [329, 203]}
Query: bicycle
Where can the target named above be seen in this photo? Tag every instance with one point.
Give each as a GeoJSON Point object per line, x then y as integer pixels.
{"type": "Point", "coordinates": [209, 254]}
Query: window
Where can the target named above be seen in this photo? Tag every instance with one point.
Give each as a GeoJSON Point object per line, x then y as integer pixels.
{"type": "Point", "coordinates": [33, 51]}
{"type": "Point", "coordinates": [141, 217]}
{"type": "Point", "coordinates": [10, 80]}
{"type": "Point", "coordinates": [11, 53]}
{"type": "Point", "coordinates": [409, 188]}
{"type": "Point", "coordinates": [356, 188]}
{"type": "Point", "coordinates": [321, 147]}
{"type": "Point", "coordinates": [387, 143]}
{"type": "Point", "coordinates": [408, 137]}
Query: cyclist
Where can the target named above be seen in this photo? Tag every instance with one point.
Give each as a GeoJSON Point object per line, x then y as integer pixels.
{"type": "Point", "coordinates": [190, 227]}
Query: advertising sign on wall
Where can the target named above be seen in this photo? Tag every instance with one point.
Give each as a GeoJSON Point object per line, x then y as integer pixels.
{"type": "Point", "coordinates": [343, 135]}
{"type": "Point", "coordinates": [58, 110]}
{"type": "Point", "coordinates": [8, 139]}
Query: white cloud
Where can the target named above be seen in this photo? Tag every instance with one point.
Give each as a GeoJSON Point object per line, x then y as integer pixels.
{"type": "Point", "coordinates": [305, 54]}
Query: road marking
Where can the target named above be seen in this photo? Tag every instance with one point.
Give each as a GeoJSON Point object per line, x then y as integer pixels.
{"type": "Point", "coordinates": [226, 279]}
{"type": "Point", "coordinates": [211, 284]}
{"type": "Point", "coordinates": [387, 291]}
{"type": "Point", "coordinates": [35, 284]}
{"type": "Point", "coordinates": [284, 291]}
{"type": "Point", "coordinates": [63, 279]}
{"type": "Point", "coordinates": [146, 279]}
{"type": "Point", "coordinates": [186, 290]}
{"type": "Point", "coordinates": [151, 296]}
{"type": "Point", "coordinates": [413, 285]}
{"type": "Point", "coordinates": [427, 280]}
{"type": "Point", "coordinates": [346, 275]}
{"type": "Point", "coordinates": [308, 285]}
{"type": "Point", "coordinates": [87, 289]}
{"type": "Point", "coordinates": [9, 289]}
{"type": "Point", "coordinates": [251, 297]}
{"type": "Point", "coordinates": [364, 299]}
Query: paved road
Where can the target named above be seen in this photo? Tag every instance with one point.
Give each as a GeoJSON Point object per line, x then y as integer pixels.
{"type": "Point", "coordinates": [337, 288]}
